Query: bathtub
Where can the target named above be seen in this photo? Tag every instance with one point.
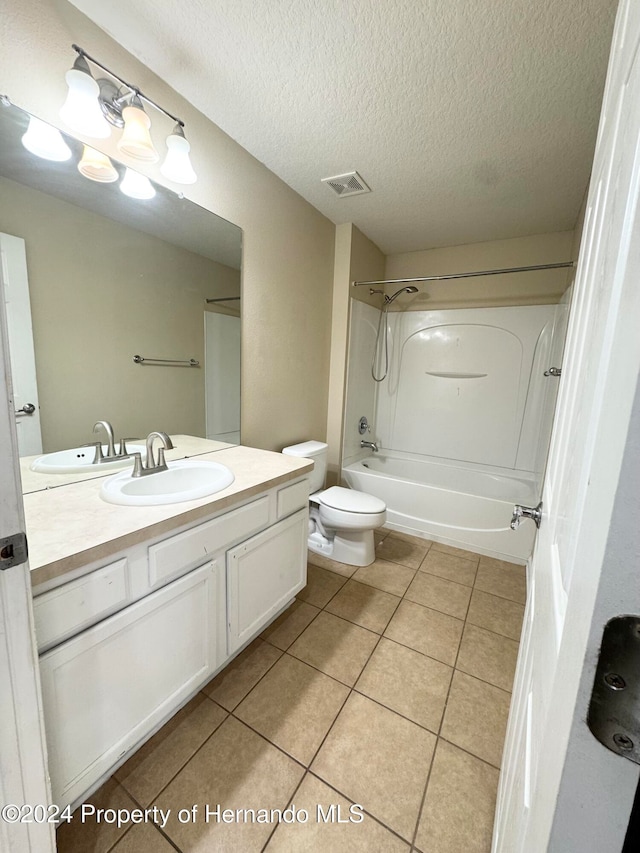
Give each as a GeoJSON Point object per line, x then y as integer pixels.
{"type": "Point", "coordinates": [467, 507]}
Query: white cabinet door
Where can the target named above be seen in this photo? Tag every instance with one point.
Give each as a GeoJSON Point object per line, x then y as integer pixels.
{"type": "Point", "coordinates": [263, 574]}
{"type": "Point", "coordinates": [106, 689]}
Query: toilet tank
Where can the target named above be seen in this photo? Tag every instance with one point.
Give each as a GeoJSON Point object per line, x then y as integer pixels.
{"type": "Point", "coordinates": [317, 451]}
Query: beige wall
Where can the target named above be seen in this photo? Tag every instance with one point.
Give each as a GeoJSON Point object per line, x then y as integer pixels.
{"type": "Point", "coordinates": [102, 292]}
{"type": "Point", "coordinates": [528, 288]}
{"type": "Point", "coordinates": [288, 245]}
{"type": "Point", "coordinates": [356, 258]}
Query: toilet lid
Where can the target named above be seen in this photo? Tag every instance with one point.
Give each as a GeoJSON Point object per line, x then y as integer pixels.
{"type": "Point", "coordinates": [350, 500]}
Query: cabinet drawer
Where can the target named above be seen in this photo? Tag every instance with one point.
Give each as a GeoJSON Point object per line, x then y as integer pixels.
{"type": "Point", "coordinates": [174, 556]}
{"type": "Point", "coordinates": [76, 605]}
{"type": "Point", "coordinates": [291, 498]}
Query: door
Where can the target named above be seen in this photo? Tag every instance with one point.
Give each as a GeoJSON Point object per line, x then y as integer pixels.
{"type": "Point", "coordinates": [222, 376]}
{"type": "Point", "coordinates": [13, 274]}
{"type": "Point", "coordinates": [561, 790]}
{"type": "Point", "coordinates": [23, 769]}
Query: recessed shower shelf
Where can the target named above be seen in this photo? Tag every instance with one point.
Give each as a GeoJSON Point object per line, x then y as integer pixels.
{"type": "Point", "coordinates": [442, 375]}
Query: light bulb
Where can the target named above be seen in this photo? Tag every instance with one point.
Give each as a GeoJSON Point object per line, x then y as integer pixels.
{"type": "Point", "coordinates": [45, 141]}
{"type": "Point", "coordinates": [81, 111]}
{"type": "Point", "coordinates": [97, 166]}
{"type": "Point", "coordinates": [136, 140]}
{"type": "Point", "coordinates": [177, 165]}
{"type": "Point", "coordinates": [136, 185]}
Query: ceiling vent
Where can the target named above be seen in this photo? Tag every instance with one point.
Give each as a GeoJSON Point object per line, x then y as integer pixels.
{"type": "Point", "coordinates": [349, 184]}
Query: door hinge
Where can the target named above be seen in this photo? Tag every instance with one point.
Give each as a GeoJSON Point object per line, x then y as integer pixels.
{"type": "Point", "coordinates": [614, 710]}
{"type": "Point", "coordinates": [13, 551]}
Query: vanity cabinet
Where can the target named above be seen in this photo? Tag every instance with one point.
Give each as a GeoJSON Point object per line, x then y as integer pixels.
{"type": "Point", "coordinates": [107, 687]}
{"type": "Point", "coordinates": [125, 644]}
{"type": "Point", "coordinates": [254, 595]}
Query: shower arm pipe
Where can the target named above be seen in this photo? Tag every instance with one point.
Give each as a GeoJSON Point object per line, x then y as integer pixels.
{"type": "Point", "coordinates": [565, 264]}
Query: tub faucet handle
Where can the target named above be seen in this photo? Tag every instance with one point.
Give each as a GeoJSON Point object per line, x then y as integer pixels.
{"type": "Point", "coordinates": [520, 512]}
{"type": "Point", "coordinates": [363, 425]}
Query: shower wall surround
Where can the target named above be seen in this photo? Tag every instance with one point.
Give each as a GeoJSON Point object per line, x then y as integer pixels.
{"type": "Point", "coordinates": [464, 385]}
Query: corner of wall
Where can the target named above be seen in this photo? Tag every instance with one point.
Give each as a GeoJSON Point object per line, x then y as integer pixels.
{"type": "Point", "coordinates": [356, 257]}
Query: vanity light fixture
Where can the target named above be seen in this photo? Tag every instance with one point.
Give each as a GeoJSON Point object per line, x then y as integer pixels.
{"type": "Point", "coordinates": [121, 105]}
{"type": "Point", "coordinates": [136, 185]}
{"type": "Point", "coordinates": [177, 166]}
{"type": "Point", "coordinates": [81, 110]}
{"type": "Point", "coordinates": [136, 140]}
{"type": "Point", "coordinates": [97, 166]}
{"type": "Point", "coordinates": [45, 141]}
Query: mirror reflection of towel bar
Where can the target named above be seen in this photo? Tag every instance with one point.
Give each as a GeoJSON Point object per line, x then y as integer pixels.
{"type": "Point", "coordinates": [191, 362]}
{"type": "Point", "coordinates": [455, 375]}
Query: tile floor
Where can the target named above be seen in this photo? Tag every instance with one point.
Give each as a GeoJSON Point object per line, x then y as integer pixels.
{"type": "Point", "coordinates": [386, 686]}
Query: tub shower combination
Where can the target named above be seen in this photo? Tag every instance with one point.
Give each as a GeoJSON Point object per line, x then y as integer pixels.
{"type": "Point", "coordinates": [462, 417]}
{"type": "Point", "coordinates": [452, 504]}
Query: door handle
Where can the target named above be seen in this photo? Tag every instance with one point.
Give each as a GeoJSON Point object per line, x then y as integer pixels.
{"type": "Point", "coordinates": [27, 409]}
{"type": "Point", "coordinates": [553, 371]}
{"type": "Point", "coordinates": [520, 512]}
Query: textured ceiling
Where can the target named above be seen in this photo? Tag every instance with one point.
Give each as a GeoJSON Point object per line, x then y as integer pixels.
{"type": "Point", "coordinates": [470, 120]}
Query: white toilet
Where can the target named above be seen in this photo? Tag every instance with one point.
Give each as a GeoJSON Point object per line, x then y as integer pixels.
{"type": "Point", "coordinates": [341, 521]}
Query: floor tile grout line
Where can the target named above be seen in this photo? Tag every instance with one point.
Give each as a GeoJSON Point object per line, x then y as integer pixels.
{"type": "Point", "coordinates": [468, 752]}
{"type": "Point", "coordinates": [265, 673]}
{"type": "Point", "coordinates": [191, 757]}
{"type": "Point", "coordinates": [282, 749]}
{"type": "Point", "coordinates": [153, 823]}
{"type": "Point", "coordinates": [497, 595]}
{"type": "Point", "coordinates": [399, 713]}
{"type": "Point", "coordinates": [369, 814]}
{"type": "Point", "coordinates": [269, 668]}
{"type": "Point", "coordinates": [270, 742]}
{"type": "Point", "coordinates": [289, 803]}
{"type": "Point", "coordinates": [438, 735]}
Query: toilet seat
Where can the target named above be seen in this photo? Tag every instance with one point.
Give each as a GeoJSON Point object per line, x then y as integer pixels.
{"type": "Point", "coordinates": [348, 509]}
{"type": "Point", "coordinates": [349, 500]}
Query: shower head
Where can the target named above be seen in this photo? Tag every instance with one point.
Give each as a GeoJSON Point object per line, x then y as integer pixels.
{"type": "Point", "coordinates": [410, 289]}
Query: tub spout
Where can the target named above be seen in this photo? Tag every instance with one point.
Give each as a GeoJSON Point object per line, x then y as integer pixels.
{"type": "Point", "coordinates": [370, 444]}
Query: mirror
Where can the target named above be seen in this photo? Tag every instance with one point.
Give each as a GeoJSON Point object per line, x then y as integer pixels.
{"type": "Point", "coordinates": [107, 278]}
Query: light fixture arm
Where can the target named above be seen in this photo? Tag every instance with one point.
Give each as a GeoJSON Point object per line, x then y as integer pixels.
{"type": "Point", "coordinates": [119, 98]}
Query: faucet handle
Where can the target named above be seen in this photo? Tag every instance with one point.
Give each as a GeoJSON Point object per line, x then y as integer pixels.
{"type": "Point", "coordinates": [122, 448]}
{"type": "Point", "coordinates": [137, 464]}
{"type": "Point", "coordinates": [161, 463]}
{"type": "Point", "coordinates": [99, 455]}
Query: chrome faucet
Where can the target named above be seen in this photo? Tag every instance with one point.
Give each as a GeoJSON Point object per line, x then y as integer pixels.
{"type": "Point", "coordinates": [370, 444]}
{"type": "Point", "coordinates": [151, 466]}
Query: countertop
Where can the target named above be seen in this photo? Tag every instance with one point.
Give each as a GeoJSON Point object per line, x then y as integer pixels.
{"type": "Point", "coordinates": [72, 526]}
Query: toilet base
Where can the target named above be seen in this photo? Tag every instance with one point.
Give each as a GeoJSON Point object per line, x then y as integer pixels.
{"type": "Point", "coordinates": [355, 548]}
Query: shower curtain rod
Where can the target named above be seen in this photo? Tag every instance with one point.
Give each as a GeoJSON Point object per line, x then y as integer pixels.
{"type": "Point", "coordinates": [225, 299]}
{"type": "Point", "coordinates": [465, 274]}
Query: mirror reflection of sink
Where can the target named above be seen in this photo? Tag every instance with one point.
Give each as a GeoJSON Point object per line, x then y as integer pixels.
{"type": "Point", "coordinates": [184, 480]}
{"type": "Point", "coordinates": [80, 459]}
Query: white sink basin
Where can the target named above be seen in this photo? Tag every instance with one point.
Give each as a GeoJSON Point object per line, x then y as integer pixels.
{"type": "Point", "coordinates": [80, 459]}
{"type": "Point", "coordinates": [184, 480]}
